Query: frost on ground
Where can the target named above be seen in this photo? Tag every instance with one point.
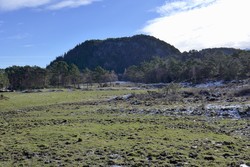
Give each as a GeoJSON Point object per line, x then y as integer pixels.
{"type": "Point", "coordinates": [233, 111]}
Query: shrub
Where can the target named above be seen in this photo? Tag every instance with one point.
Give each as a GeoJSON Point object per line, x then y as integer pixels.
{"type": "Point", "coordinates": [172, 88]}
{"type": "Point", "coordinates": [243, 92]}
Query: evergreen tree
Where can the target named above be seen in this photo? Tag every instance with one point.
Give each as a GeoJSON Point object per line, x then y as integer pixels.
{"type": "Point", "coordinates": [26, 77]}
{"type": "Point", "coordinates": [87, 77]}
{"type": "Point", "coordinates": [59, 72]}
{"type": "Point", "coordinates": [4, 81]}
{"type": "Point", "coordinates": [74, 74]}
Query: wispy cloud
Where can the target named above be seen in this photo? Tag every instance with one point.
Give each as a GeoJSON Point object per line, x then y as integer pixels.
{"type": "Point", "coordinates": [20, 36]}
{"type": "Point", "coordinates": [182, 5]}
{"type": "Point", "coordinates": [28, 46]}
{"type": "Point", "coordinates": [8, 5]}
{"type": "Point", "coordinates": [196, 24]}
{"type": "Point", "coordinates": [70, 4]}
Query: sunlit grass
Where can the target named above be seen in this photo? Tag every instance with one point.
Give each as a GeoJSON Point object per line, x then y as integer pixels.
{"type": "Point", "coordinates": [18, 100]}
{"type": "Point", "coordinates": [64, 132]}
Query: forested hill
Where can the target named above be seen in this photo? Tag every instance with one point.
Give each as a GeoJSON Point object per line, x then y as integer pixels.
{"type": "Point", "coordinates": [206, 53]}
{"type": "Point", "coordinates": [118, 53]}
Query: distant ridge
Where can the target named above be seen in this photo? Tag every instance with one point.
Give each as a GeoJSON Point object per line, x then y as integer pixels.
{"type": "Point", "coordinates": [118, 53]}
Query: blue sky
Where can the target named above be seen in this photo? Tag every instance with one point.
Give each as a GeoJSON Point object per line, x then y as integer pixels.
{"type": "Point", "coordinates": [35, 32]}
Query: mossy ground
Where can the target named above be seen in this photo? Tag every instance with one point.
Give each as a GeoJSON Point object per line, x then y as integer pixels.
{"type": "Point", "coordinates": [78, 129]}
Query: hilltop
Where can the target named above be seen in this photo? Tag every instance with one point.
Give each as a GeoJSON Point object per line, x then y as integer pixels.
{"type": "Point", "coordinates": [118, 53]}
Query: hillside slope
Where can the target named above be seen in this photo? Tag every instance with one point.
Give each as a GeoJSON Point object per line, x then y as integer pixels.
{"type": "Point", "coordinates": [118, 53]}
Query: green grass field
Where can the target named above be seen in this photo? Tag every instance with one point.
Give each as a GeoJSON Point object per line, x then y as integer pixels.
{"type": "Point", "coordinates": [19, 100]}
{"type": "Point", "coordinates": [84, 128]}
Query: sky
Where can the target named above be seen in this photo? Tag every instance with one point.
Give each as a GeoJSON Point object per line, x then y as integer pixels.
{"type": "Point", "coordinates": [35, 32]}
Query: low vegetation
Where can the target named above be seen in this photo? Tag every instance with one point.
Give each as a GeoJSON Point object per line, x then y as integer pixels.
{"type": "Point", "coordinates": [123, 127]}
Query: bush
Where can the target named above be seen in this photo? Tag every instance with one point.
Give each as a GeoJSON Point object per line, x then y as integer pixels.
{"type": "Point", "coordinates": [172, 88]}
{"type": "Point", "coordinates": [243, 92]}
{"type": "Point", "coordinates": [2, 97]}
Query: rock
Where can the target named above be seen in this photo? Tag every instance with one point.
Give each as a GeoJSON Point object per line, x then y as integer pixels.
{"type": "Point", "coordinates": [194, 147]}
{"type": "Point", "coordinates": [226, 155]}
{"type": "Point", "coordinates": [243, 92]}
{"type": "Point", "coordinates": [64, 121]}
{"type": "Point", "coordinates": [211, 98]}
{"type": "Point", "coordinates": [174, 161]}
{"type": "Point", "coordinates": [111, 162]}
{"type": "Point", "coordinates": [187, 94]}
{"type": "Point", "coordinates": [245, 113]}
{"type": "Point", "coordinates": [128, 96]}
{"type": "Point", "coordinates": [218, 145]}
{"type": "Point", "coordinates": [79, 140]}
{"type": "Point", "coordinates": [216, 94]}
{"type": "Point", "coordinates": [78, 159]}
{"type": "Point", "coordinates": [227, 143]}
{"type": "Point", "coordinates": [28, 154]}
{"type": "Point", "coordinates": [209, 158]}
{"type": "Point", "coordinates": [150, 158]}
{"type": "Point", "coordinates": [164, 153]}
{"type": "Point", "coordinates": [193, 155]}
{"type": "Point", "coordinates": [136, 102]}
{"type": "Point", "coordinates": [67, 143]}
{"type": "Point", "coordinates": [131, 138]}
{"type": "Point", "coordinates": [204, 93]}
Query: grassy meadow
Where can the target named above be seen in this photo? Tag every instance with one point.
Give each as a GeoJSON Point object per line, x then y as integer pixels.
{"type": "Point", "coordinates": [86, 128]}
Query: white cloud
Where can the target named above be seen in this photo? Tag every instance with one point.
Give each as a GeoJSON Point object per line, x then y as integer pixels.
{"type": "Point", "coordinates": [182, 5]}
{"type": "Point", "coordinates": [70, 4]}
{"type": "Point", "coordinates": [8, 5]}
{"type": "Point", "coordinates": [17, 4]}
{"type": "Point", "coordinates": [196, 24]}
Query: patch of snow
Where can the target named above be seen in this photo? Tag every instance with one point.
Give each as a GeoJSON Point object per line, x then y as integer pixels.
{"type": "Point", "coordinates": [123, 97]}
{"type": "Point", "coordinates": [228, 111]}
{"type": "Point", "coordinates": [214, 106]}
{"type": "Point", "coordinates": [244, 165]}
{"type": "Point", "coordinates": [122, 82]}
{"type": "Point", "coordinates": [210, 84]}
{"type": "Point", "coordinates": [186, 84]}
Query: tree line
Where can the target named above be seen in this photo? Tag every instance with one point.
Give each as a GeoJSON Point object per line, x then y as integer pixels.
{"type": "Point", "coordinates": [192, 68]}
{"type": "Point", "coordinates": [189, 67]}
{"type": "Point", "coordinates": [58, 74]}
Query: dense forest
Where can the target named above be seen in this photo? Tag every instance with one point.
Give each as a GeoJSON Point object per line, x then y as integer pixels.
{"type": "Point", "coordinates": [117, 53]}
{"type": "Point", "coordinates": [171, 66]}
{"type": "Point", "coordinates": [58, 74]}
{"type": "Point", "coordinates": [207, 66]}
